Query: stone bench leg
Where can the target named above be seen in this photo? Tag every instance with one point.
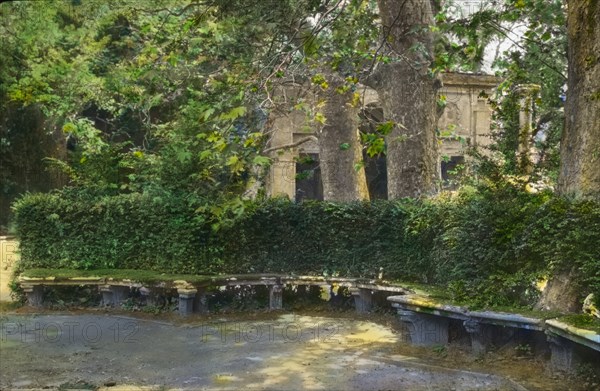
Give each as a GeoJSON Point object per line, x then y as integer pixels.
{"type": "Point", "coordinates": [149, 296]}
{"type": "Point", "coordinates": [186, 301]}
{"type": "Point", "coordinates": [479, 342]}
{"type": "Point", "coordinates": [113, 295]}
{"type": "Point", "coordinates": [34, 294]}
{"type": "Point", "coordinates": [363, 299]}
{"type": "Point", "coordinates": [275, 297]}
{"type": "Point", "coordinates": [562, 355]}
{"type": "Point", "coordinates": [201, 302]}
{"type": "Point", "coordinates": [424, 329]}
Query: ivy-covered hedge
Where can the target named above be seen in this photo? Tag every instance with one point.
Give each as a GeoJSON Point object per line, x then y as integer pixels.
{"type": "Point", "coordinates": [488, 245]}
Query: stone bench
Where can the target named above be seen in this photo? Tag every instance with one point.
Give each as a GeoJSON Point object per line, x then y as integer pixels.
{"type": "Point", "coordinates": [427, 320]}
{"type": "Point", "coordinates": [564, 338]}
{"type": "Point", "coordinates": [192, 296]}
{"type": "Point", "coordinates": [428, 323]}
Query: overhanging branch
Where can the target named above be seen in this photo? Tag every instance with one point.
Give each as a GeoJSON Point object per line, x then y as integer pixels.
{"type": "Point", "coordinates": [291, 145]}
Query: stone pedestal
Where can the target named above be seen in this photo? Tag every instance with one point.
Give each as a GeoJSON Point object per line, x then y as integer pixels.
{"type": "Point", "coordinates": [563, 357]}
{"type": "Point", "coordinates": [113, 295]}
{"type": "Point", "coordinates": [186, 301]}
{"type": "Point", "coordinates": [363, 299]}
{"type": "Point", "coordinates": [201, 301]}
{"type": "Point", "coordinates": [425, 329]}
{"type": "Point", "coordinates": [150, 297]}
{"type": "Point", "coordinates": [275, 297]}
{"type": "Point", "coordinates": [35, 295]}
{"type": "Point", "coordinates": [478, 339]}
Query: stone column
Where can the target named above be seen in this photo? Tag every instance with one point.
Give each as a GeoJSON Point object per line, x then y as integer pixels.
{"type": "Point", "coordinates": [527, 94]}
{"type": "Point", "coordinates": [425, 329]}
{"type": "Point", "coordinates": [363, 299]}
{"type": "Point", "coordinates": [275, 297]}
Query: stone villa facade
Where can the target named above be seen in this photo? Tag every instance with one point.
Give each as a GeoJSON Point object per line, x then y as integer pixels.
{"type": "Point", "coordinates": [465, 121]}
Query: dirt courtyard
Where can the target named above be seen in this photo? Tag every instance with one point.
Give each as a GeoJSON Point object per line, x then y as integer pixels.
{"type": "Point", "coordinates": [272, 352]}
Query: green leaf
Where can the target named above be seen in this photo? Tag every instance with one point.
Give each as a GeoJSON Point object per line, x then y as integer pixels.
{"type": "Point", "coordinates": [207, 113]}
{"type": "Point", "coordinates": [234, 113]}
{"type": "Point", "coordinates": [344, 146]}
{"type": "Point", "coordinates": [261, 160]}
{"type": "Point", "coordinates": [385, 128]}
{"type": "Point", "coordinates": [376, 148]}
{"type": "Point", "coordinates": [320, 118]}
{"type": "Point", "coordinates": [183, 155]}
{"type": "Point", "coordinates": [235, 164]}
{"type": "Point", "coordinates": [205, 154]}
{"type": "Point", "coordinates": [232, 160]}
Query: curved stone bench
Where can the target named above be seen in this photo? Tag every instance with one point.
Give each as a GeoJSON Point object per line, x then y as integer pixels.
{"type": "Point", "coordinates": [192, 295]}
{"type": "Point", "coordinates": [428, 323]}
{"type": "Point", "coordinates": [427, 319]}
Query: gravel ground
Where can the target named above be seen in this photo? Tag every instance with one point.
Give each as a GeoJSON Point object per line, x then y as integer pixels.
{"type": "Point", "coordinates": [287, 352]}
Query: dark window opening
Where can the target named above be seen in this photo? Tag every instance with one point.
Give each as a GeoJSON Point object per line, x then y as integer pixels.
{"type": "Point", "coordinates": [376, 173]}
{"type": "Point", "coordinates": [376, 166]}
{"type": "Point", "coordinates": [308, 178]}
{"type": "Point", "coordinates": [451, 171]}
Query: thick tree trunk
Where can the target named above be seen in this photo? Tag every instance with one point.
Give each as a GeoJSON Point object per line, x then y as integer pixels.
{"type": "Point", "coordinates": [339, 146]}
{"type": "Point", "coordinates": [408, 99]}
{"type": "Point", "coordinates": [408, 95]}
{"type": "Point", "coordinates": [580, 146]}
{"type": "Point", "coordinates": [561, 294]}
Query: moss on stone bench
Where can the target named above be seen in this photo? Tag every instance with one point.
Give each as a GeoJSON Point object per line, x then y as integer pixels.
{"type": "Point", "coordinates": [115, 283]}
{"type": "Point", "coordinates": [143, 276]}
{"type": "Point", "coordinates": [428, 321]}
{"type": "Point", "coordinates": [581, 321]}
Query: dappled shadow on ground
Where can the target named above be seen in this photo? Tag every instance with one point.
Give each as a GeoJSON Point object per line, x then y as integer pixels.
{"type": "Point", "coordinates": [261, 350]}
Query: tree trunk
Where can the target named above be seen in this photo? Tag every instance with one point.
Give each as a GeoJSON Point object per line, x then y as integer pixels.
{"type": "Point", "coordinates": [408, 95]}
{"type": "Point", "coordinates": [561, 294]}
{"type": "Point", "coordinates": [408, 99]}
{"type": "Point", "coordinates": [580, 145]}
{"type": "Point", "coordinates": [339, 145]}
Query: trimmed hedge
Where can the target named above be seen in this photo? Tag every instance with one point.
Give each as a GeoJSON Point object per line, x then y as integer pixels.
{"type": "Point", "coordinates": [130, 231]}
{"type": "Point", "coordinates": [487, 246]}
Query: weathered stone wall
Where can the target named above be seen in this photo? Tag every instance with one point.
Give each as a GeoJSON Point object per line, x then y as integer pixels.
{"type": "Point", "coordinates": [465, 121]}
{"type": "Point", "coordinates": [8, 259]}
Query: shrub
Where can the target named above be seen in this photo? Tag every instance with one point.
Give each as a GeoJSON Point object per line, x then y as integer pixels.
{"type": "Point", "coordinates": [58, 230]}
{"type": "Point", "coordinates": [489, 246]}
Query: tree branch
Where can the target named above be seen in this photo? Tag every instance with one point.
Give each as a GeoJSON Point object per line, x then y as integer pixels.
{"type": "Point", "coordinates": [291, 145]}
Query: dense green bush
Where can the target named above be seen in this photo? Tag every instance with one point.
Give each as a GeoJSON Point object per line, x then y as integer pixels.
{"type": "Point", "coordinates": [60, 230]}
{"type": "Point", "coordinates": [489, 245]}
